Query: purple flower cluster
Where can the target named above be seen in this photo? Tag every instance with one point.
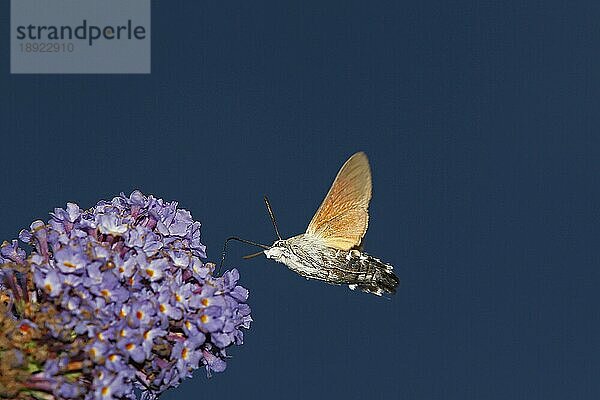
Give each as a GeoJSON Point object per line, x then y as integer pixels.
{"type": "Point", "coordinates": [128, 276]}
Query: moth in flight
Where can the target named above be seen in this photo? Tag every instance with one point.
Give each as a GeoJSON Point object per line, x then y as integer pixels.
{"type": "Point", "coordinates": [331, 248]}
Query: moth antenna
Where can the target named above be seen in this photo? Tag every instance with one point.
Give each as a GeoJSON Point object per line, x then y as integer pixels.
{"type": "Point", "coordinates": [262, 246]}
{"type": "Point", "coordinates": [249, 256]}
{"type": "Point", "coordinates": [270, 210]}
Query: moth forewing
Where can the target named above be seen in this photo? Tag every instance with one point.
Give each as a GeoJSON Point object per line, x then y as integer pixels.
{"type": "Point", "coordinates": [343, 217]}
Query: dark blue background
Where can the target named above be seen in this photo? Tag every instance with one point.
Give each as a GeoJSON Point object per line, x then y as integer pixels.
{"type": "Point", "coordinates": [481, 121]}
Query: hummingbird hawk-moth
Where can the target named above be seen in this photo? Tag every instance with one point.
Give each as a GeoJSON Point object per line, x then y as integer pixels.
{"type": "Point", "coordinates": [331, 248]}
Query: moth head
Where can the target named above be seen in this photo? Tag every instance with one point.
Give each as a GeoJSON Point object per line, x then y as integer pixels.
{"type": "Point", "coordinates": [279, 250]}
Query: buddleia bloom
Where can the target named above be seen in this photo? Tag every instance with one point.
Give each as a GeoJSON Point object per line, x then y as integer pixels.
{"type": "Point", "coordinates": [128, 280]}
